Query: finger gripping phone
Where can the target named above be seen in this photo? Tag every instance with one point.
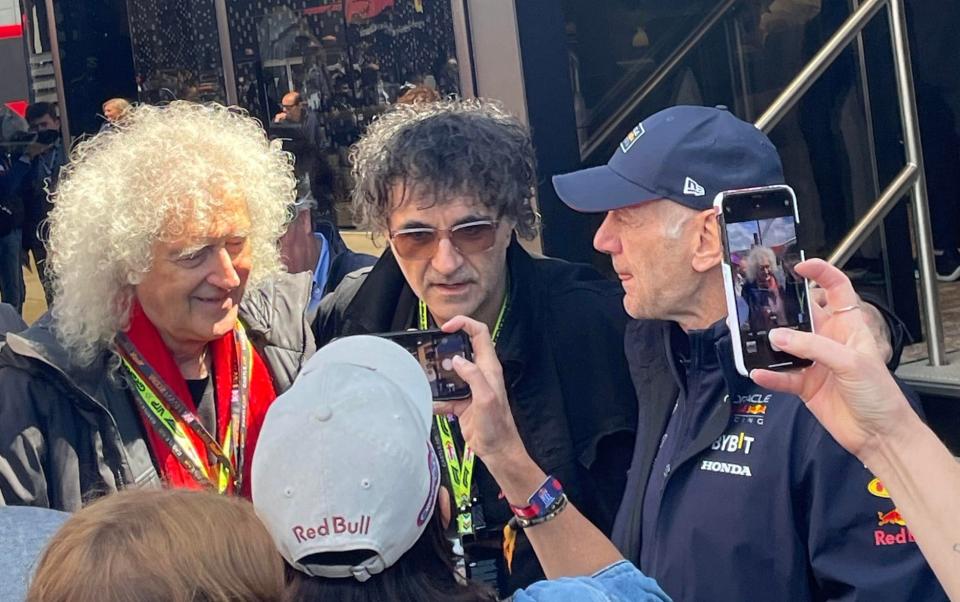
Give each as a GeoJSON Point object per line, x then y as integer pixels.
{"type": "Point", "coordinates": [435, 350]}
{"type": "Point", "coordinates": [763, 291]}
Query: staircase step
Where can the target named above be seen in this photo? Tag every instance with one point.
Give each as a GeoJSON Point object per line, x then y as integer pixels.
{"type": "Point", "coordinates": [925, 379]}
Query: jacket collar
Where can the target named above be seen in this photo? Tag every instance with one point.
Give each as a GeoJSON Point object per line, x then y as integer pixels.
{"type": "Point", "coordinates": [707, 349]}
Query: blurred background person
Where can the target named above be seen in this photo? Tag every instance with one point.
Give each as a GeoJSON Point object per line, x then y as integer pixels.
{"type": "Point", "coordinates": [16, 164]}
{"type": "Point", "coordinates": [42, 182]}
{"type": "Point", "coordinates": [113, 112]}
{"type": "Point", "coordinates": [10, 321]}
{"type": "Point", "coordinates": [302, 134]}
{"type": "Point", "coordinates": [419, 93]}
{"type": "Point", "coordinates": [10, 123]}
{"type": "Point", "coordinates": [171, 545]}
{"type": "Point", "coordinates": [312, 245]}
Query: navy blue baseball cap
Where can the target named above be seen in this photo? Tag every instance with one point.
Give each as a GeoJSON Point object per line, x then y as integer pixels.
{"type": "Point", "coordinates": [686, 154]}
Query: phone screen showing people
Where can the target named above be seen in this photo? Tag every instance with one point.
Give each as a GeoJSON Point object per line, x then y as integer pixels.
{"type": "Point", "coordinates": [763, 289]}
{"type": "Point", "coordinates": [435, 350]}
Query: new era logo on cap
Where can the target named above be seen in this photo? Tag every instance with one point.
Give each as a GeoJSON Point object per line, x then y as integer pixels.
{"type": "Point", "coordinates": [690, 187]}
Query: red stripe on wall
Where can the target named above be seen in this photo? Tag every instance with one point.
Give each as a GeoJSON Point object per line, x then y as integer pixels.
{"type": "Point", "coordinates": [12, 30]}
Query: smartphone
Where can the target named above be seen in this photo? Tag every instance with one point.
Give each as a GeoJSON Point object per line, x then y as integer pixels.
{"type": "Point", "coordinates": [763, 291]}
{"type": "Point", "coordinates": [435, 350]}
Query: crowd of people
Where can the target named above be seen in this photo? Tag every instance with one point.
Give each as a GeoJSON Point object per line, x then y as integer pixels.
{"type": "Point", "coordinates": [203, 415]}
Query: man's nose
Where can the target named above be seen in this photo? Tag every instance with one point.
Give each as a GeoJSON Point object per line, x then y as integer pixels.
{"type": "Point", "coordinates": [605, 240]}
{"type": "Point", "coordinates": [224, 274]}
{"type": "Point", "coordinates": [447, 259]}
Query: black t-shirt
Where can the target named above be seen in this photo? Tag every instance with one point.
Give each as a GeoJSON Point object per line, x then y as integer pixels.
{"type": "Point", "coordinates": [201, 391]}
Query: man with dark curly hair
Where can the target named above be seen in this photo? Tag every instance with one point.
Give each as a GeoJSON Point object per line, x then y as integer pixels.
{"type": "Point", "coordinates": [450, 186]}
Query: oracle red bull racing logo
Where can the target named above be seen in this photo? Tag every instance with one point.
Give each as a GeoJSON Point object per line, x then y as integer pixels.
{"type": "Point", "coordinates": [750, 409]}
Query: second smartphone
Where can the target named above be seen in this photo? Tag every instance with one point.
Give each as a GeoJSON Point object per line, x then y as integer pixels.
{"type": "Point", "coordinates": [759, 229]}
{"type": "Point", "coordinates": [435, 350]}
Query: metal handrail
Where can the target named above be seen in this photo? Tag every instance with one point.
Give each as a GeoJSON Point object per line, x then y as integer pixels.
{"type": "Point", "coordinates": [820, 62]}
{"type": "Point", "coordinates": [872, 219]}
{"type": "Point", "coordinates": [613, 125]}
{"type": "Point", "coordinates": [911, 179]}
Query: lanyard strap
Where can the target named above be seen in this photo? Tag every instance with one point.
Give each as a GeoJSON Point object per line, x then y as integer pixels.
{"type": "Point", "coordinates": [169, 416]}
{"type": "Point", "coordinates": [460, 471]}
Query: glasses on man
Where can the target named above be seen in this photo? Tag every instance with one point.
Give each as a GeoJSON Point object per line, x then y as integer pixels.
{"type": "Point", "coordinates": [421, 243]}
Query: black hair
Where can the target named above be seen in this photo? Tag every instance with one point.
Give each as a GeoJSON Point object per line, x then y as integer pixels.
{"type": "Point", "coordinates": [446, 149]}
{"type": "Point", "coordinates": [38, 109]}
{"type": "Point", "coordinates": [425, 573]}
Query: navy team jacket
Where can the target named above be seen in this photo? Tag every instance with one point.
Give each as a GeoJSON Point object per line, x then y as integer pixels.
{"type": "Point", "coordinates": [748, 497]}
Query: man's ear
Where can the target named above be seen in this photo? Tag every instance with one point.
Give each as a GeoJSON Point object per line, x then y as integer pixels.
{"type": "Point", "coordinates": [708, 252]}
{"type": "Point", "coordinates": [303, 222]}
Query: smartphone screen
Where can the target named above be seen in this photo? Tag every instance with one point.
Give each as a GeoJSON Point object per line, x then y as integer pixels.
{"type": "Point", "coordinates": [761, 248]}
{"type": "Point", "coordinates": [435, 350]}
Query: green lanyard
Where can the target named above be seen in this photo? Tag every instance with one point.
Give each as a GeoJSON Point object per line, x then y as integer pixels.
{"type": "Point", "coordinates": [170, 418]}
{"type": "Point", "coordinates": [460, 471]}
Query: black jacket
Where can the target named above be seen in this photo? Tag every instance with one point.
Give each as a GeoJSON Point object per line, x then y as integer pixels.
{"type": "Point", "coordinates": [13, 177]}
{"type": "Point", "coordinates": [756, 501]}
{"type": "Point", "coordinates": [566, 377]}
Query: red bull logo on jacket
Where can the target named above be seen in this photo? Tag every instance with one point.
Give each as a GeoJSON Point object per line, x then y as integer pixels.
{"type": "Point", "coordinates": [893, 518]}
{"type": "Point", "coordinates": [876, 488]}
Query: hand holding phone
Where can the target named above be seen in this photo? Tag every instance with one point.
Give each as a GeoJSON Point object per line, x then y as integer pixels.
{"type": "Point", "coordinates": [763, 289]}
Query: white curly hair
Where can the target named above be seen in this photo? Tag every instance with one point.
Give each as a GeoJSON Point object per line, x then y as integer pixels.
{"type": "Point", "coordinates": [161, 170]}
{"type": "Point", "coordinates": [757, 255]}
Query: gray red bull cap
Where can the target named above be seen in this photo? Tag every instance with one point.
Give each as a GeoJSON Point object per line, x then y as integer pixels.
{"type": "Point", "coordinates": [344, 461]}
{"type": "Point", "coordinates": [685, 153]}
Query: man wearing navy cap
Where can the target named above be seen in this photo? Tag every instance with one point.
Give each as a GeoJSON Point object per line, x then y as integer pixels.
{"type": "Point", "coordinates": [735, 492]}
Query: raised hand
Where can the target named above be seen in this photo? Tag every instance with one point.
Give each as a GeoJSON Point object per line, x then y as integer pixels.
{"type": "Point", "coordinates": [848, 389]}
{"type": "Point", "coordinates": [486, 422]}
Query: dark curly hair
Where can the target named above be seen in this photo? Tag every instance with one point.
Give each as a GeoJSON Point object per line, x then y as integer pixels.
{"type": "Point", "coordinates": [446, 149]}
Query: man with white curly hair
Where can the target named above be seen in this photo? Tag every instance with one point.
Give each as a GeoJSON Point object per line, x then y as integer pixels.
{"type": "Point", "coordinates": [173, 327]}
{"type": "Point", "coordinates": [763, 290]}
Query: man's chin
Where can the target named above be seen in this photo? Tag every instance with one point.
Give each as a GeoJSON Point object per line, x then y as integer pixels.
{"type": "Point", "coordinates": [635, 310]}
{"type": "Point", "coordinates": [222, 326]}
{"type": "Point", "coordinates": [444, 310]}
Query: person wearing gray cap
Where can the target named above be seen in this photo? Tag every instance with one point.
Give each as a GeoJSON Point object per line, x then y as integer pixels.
{"type": "Point", "coordinates": [736, 492]}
